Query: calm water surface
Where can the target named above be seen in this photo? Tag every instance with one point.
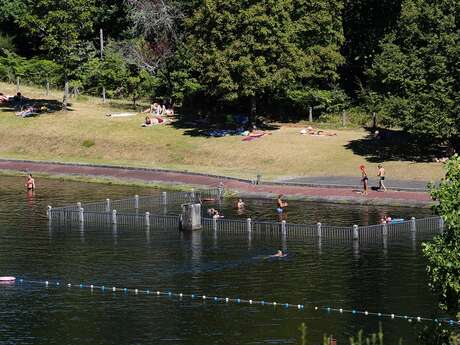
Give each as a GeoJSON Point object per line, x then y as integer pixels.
{"type": "Point", "coordinates": [373, 277]}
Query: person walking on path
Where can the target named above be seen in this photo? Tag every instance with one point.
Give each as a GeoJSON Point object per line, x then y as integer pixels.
{"type": "Point", "coordinates": [364, 179]}
{"type": "Point", "coordinates": [381, 175]}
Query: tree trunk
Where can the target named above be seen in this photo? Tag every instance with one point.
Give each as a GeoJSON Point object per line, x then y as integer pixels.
{"type": "Point", "coordinates": [66, 93]}
{"type": "Point", "coordinates": [253, 114]}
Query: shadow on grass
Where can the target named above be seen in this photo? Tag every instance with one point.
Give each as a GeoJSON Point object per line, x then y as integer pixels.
{"type": "Point", "coordinates": [392, 145]}
{"type": "Point", "coordinates": [48, 105]}
{"type": "Point", "coordinates": [204, 128]}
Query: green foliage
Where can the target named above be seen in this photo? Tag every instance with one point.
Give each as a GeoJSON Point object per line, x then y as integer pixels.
{"type": "Point", "coordinates": [11, 66]}
{"type": "Point", "coordinates": [262, 49]}
{"type": "Point", "coordinates": [417, 71]}
{"type": "Point", "coordinates": [6, 42]}
{"type": "Point", "coordinates": [62, 26]}
{"type": "Point", "coordinates": [443, 253]}
{"type": "Point", "coordinates": [140, 85]}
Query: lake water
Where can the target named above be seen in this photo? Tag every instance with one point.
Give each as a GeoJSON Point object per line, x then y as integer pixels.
{"type": "Point", "coordinates": [388, 279]}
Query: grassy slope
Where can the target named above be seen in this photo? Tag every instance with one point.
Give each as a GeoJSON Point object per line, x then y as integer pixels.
{"type": "Point", "coordinates": [59, 136]}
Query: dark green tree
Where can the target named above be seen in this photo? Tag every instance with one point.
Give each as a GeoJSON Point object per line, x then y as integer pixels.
{"type": "Point", "coordinates": [251, 51]}
{"type": "Point", "coordinates": [63, 27]}
{"type": "Point", "coordinates": [417, 73]}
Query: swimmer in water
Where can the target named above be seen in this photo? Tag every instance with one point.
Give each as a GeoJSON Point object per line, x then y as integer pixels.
{"type": "Point", "coordinates": [240, 204]}
{"type": "Point", "coordinates": [278, 254]}
{"type": "Point", "coordinates": [30, 183]}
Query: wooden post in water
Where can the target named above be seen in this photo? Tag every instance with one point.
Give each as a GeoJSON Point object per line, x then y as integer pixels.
{"type": "Point", "coordinates": [283, 227]}
{"type": "Point", "coordinates": [214, 224]}
{"type": "Point", "coordinates": [147, 219]}
{"type": "Point", "coordinates": [384, 230]}
{"type": "Point", "coordinates": [82, 216]}
{"type": "Point", "coordinates": [191, 217]}
{"type": "Point", "coordinates": [107, 205]}
{"type": "Point", "coordinates": [413, 226]}
{"type": "Point", "coordinates": [114, 217]}
{"type": "Point", "coordinates": [310, 114]}
{"type": "Point", "coordinates": [355, 232]}
{"type": "Point", "coordinates": [164, 198]}
{"type": "Point", "coordinates": [248, 224]}
{"type": "Point", "coordinates": [48, 212]}
{"type": "Point", "coordinates": [318, 229]}
{"type": "Point", "coordinates": [136, 201]}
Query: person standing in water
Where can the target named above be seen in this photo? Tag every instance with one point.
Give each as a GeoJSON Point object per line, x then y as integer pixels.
{"type": "Point", "coordinates": [280, 204]}
{"type": "Point", "coordinates": [381, 175]}
{"type": "Point", "coordinates": [30, 183]}
{"type": "Point", "coordinates": [364, 179]}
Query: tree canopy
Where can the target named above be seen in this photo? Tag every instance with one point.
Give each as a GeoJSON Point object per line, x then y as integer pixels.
{"type": "Point", "coordinates": [417, 73]}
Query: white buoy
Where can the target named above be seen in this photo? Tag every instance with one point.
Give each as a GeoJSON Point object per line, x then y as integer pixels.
{"type": "Point", "coordinates": [114, 289]}
{"type": "Point", "coordinates": [226, 299]}
{"type": "Point", "coordinates": [366, 313]}
{"type": "Point", "coordinates": [250, 301]}
{"type": "Point", "coordinates": [7, 279]}
{"type": "Point", "coordinates": [158, 293]}
{"type": "Point", "coordinates": [341, 310]}
{"type": "Point", "coordinates": [392, 316]}
{"type": "Point", "coordinates": [136, 291]}
{"type": "Point", "coordinates": [204, 297]}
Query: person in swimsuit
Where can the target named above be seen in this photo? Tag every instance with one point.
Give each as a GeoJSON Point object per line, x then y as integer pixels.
{"type": "Point", "coordinates": [30, 182]}
{"type": "Point", "coordinates": [381, 175]}
{"type": "Point", "coordinates": [280, 204]}
{"type": "Point", "coordinates": [364, 179]}
{"type": "Point", "coordinates": [279, 254]}
{"type": "Point", "coordinates": [240, 204]}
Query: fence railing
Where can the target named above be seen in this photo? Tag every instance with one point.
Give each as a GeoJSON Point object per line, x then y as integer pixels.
{"type": "Point", "coordinates": [114, 212]}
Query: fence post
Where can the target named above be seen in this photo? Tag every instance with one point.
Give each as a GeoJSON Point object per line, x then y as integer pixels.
{"type": "Point", "coordinates": [310, 114]}
{"type": "Point", "coordinates": [47, 88]}
{"type": "Point", "coordinates": [164, 198]}
{"type": "Point", "coordinates": [355, 232]}
{"type": "Point", "coordinates": [283, 226]}
{"type": "Point", "coordinates": [413, 227]}
{"type": "Point", "coordinates": [82, 216]}
{"type": "Point", "coordinates": [48, 211]}
{"type": "Point", "coordinates": [136, 201]}
{"type": "Point", "coordinates": [384, 229]}
{"type": "Point", "coordinates": [441, 224]}
{"type": "Point", "coordinates": [214, 224]}
{"type": "Point", "coordinates": [318, 229]}
{"type": "Point", "coordinates": [344, 118]}
{"type": "Point", "coordinates": [221, 190]}
{"type": "Point", "coordinates": [192, 195]}
{"type": "Point", "coordinates": [114, 217]}
{"type": "Point", "coordinates": [147, 219]}
{"type": "Point", "coordinates": [107, 205]}
{"type": "Point", "coordinates": [79, 205]}
{"type": "Point", "coordinates": [248, 224]}
{"type": "Point", "coordinates": [17, 84]}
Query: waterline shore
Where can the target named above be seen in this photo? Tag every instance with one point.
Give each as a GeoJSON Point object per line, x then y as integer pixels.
{"type": "Point", "coordinates": [180, 180]}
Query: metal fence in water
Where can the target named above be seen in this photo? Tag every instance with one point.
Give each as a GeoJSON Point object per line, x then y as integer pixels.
{"type": "Point", "coordinates": [127, 212]}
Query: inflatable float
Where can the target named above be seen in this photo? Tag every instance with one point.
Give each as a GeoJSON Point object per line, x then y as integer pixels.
{"type": "Point", "coordinates": [7, 279]}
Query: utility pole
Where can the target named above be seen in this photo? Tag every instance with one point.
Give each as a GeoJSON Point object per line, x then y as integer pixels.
{"type": "Point", "coordinates": [101, 40]}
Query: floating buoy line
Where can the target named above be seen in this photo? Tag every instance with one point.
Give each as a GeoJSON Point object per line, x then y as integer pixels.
{"type": "Point", "coordinates": [217, 299]}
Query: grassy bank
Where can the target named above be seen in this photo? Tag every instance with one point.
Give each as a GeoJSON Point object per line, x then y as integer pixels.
{"type": "Point", "coordinates": [86, 135]}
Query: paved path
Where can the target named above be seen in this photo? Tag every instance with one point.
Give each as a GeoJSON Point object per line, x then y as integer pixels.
{"type": "Point", "coordinates": [354, 182]}
{"type": "Point", "coordinates": [241, 187]}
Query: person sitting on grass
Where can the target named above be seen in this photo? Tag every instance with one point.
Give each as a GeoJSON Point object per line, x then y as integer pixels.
{"type": "Point", "coordinates": [148, 121]}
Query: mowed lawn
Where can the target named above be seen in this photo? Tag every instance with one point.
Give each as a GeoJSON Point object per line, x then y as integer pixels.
{"type": "Point", "coordinates": [60, 136]}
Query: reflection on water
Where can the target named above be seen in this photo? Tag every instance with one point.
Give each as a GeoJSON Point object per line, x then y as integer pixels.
{"type": "Point", "coordinates": [386, 276]}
